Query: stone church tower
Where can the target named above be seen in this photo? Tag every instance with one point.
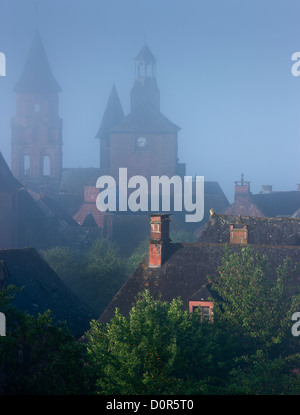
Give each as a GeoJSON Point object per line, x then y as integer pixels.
{"type": "Point", "coordinates": [144, 141]}
{"type": "Point", "coordinates": [36, 141]}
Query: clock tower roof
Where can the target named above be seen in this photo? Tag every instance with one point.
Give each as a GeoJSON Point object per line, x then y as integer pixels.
{"type": "Point", "coordinates": [145, 119]}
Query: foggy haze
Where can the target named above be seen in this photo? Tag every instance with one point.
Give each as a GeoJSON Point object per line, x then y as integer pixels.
{"type": "Point", "coordinates": [223, 70]}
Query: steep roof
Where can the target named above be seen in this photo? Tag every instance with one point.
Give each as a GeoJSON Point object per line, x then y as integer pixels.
{"type": "Point", "coordinates": [146, 55]}
{"type": "Point", "coordinates": [184, 274]}
{"type": "Point", "coordinates": [261, 231]}
{"type": "Point", "coordinates": [37, 76]}
{"type": "Point", "coordinates": [43, 289]}
{"type": "Point", "coordinates": [186, 266]}
{"type": "Point", "coordinates": [8, 182]}
{"type": "Point", "coordinates": [113, 114]}
{"type": "Point", "coordinates": [274, 204]}
{"type": "Point", "coordinates": [245, 206]}
{"type": "Point", "coordinates": [145, 119]}
{"type": "Point", "coordinates": [52, 209]}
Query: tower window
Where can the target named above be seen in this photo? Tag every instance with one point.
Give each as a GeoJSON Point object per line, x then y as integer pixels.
{"type": "Point", "coordinates": [46, 166]}
{"type": "Point", "coordinates": [26, 165]}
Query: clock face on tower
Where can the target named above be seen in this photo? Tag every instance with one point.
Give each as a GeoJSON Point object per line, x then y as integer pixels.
{"type": "Point", "coordinates": [141, 142]}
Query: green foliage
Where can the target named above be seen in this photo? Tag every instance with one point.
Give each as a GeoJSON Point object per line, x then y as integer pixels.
{"type": "Point", "coordinates": [38, 357]}
{"type": "Point", "coordinates": [94, 275]}
{"type": "Point", "coordinates": [157, 349]}
{"type": "Point", "coordinates": [161, 349]}
{"type": "Point", "coordinates": [258, 374]}
{"type": "Point", "coordinates": [181, 235]}
{"type": "Point", "coordinates": [253, 299]}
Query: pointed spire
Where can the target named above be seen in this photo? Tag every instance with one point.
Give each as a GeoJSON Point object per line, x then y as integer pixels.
{"type": "Point", "coordinates": [113, 114]}
{"type": "Point", "coordinates": [37, 76]}
{"type": "Point", "coordinates": [145, 55]}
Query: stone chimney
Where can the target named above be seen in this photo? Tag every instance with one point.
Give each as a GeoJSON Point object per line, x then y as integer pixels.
{"type": "Point", "coordinates": [266, 188]}
{"type": "Point", "coordinates": [238, 234]}
{"type": "Point", "coordinates": [159, 239]}
{"type": "Point", "coordinates": [242, 188]}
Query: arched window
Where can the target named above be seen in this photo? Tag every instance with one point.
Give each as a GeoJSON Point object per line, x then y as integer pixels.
{"type": "Point", "coordinates": [46, 166]}
{"type": "Point", "coordinates": [26, 165]}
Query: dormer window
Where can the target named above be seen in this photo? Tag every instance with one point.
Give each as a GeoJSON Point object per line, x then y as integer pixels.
{"type": "Point", "coordinates": [206, 308]}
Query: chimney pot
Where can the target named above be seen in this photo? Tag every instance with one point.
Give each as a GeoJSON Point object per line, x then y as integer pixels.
{"type": "Point", "coordinates": [239, 235]}
{"type": "Point", "coordinates": [159, 239]}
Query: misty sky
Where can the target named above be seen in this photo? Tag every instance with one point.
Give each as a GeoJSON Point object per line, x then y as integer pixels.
{"type": "Point", "coordinates": [223, 70]}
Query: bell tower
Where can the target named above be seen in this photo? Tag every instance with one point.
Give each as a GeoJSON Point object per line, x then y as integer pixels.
{"type": "Point", "coordinates": [36, 129]}
{"type": "Point", "coordinates": [145, 88]}
{"type": "Point", "coordinates": [144, 141]}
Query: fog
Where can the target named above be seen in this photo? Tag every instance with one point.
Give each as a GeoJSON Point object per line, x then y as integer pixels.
{"type": "Point", "coordinates": [223, 70]}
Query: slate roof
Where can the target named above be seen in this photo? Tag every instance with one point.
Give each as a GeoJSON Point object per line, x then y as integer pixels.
{"type": "Point", "coordinates": [185, 273]}
{"type": "Point", "coordinates": [245, 206]}
{"type": "Point", "coordinates": [261, 231]}
{"type": "Point", "coordinates": [146, 55]}
{"type": "Point", "coordinates": [52, 209]}
{"type": "Point", "coordinates": [37, 76]}
{"type": "Point", "coordinates": [145, 119]}
{"type": "Point", "coordinates": [186, 267]}
{"type": "Point", "coordinates": [273, 204]}
{"type": "Point", "coordinates": [43, 289]}
{"type": "Point", "coordinates": [113, 114]}
{"type": "Point", "coordinates": [8, 182]}
{"type": "Point", "coordinates": [266, 203]}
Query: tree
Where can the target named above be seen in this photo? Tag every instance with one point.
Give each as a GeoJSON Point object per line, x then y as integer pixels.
{"type": "Point", "coordinates": [158, 349]}
{"type": "Point", "coordinates": [104, 273]}
{"type": "Point", "coordinates": [94, 275]}
{"type": "Point", "coordinates": [253, 299]}
{"type": "Point", "coordinates": [257, 303]}
{"type": "Point", "coordinates": [37, 357]}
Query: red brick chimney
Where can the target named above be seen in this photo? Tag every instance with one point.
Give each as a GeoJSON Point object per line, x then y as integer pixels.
{"type": "Point", "coordinates": [159, 238]}
{"type": "Point", "coordinates": [242, 188]}
{"type": "Point", "coordinates": [239, 235]}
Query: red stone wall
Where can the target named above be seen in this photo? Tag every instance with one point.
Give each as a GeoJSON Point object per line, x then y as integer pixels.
{"type": "Point", "coordinates": [157, 158]}
{"type": "Point", "coordinates": [36, 132]}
